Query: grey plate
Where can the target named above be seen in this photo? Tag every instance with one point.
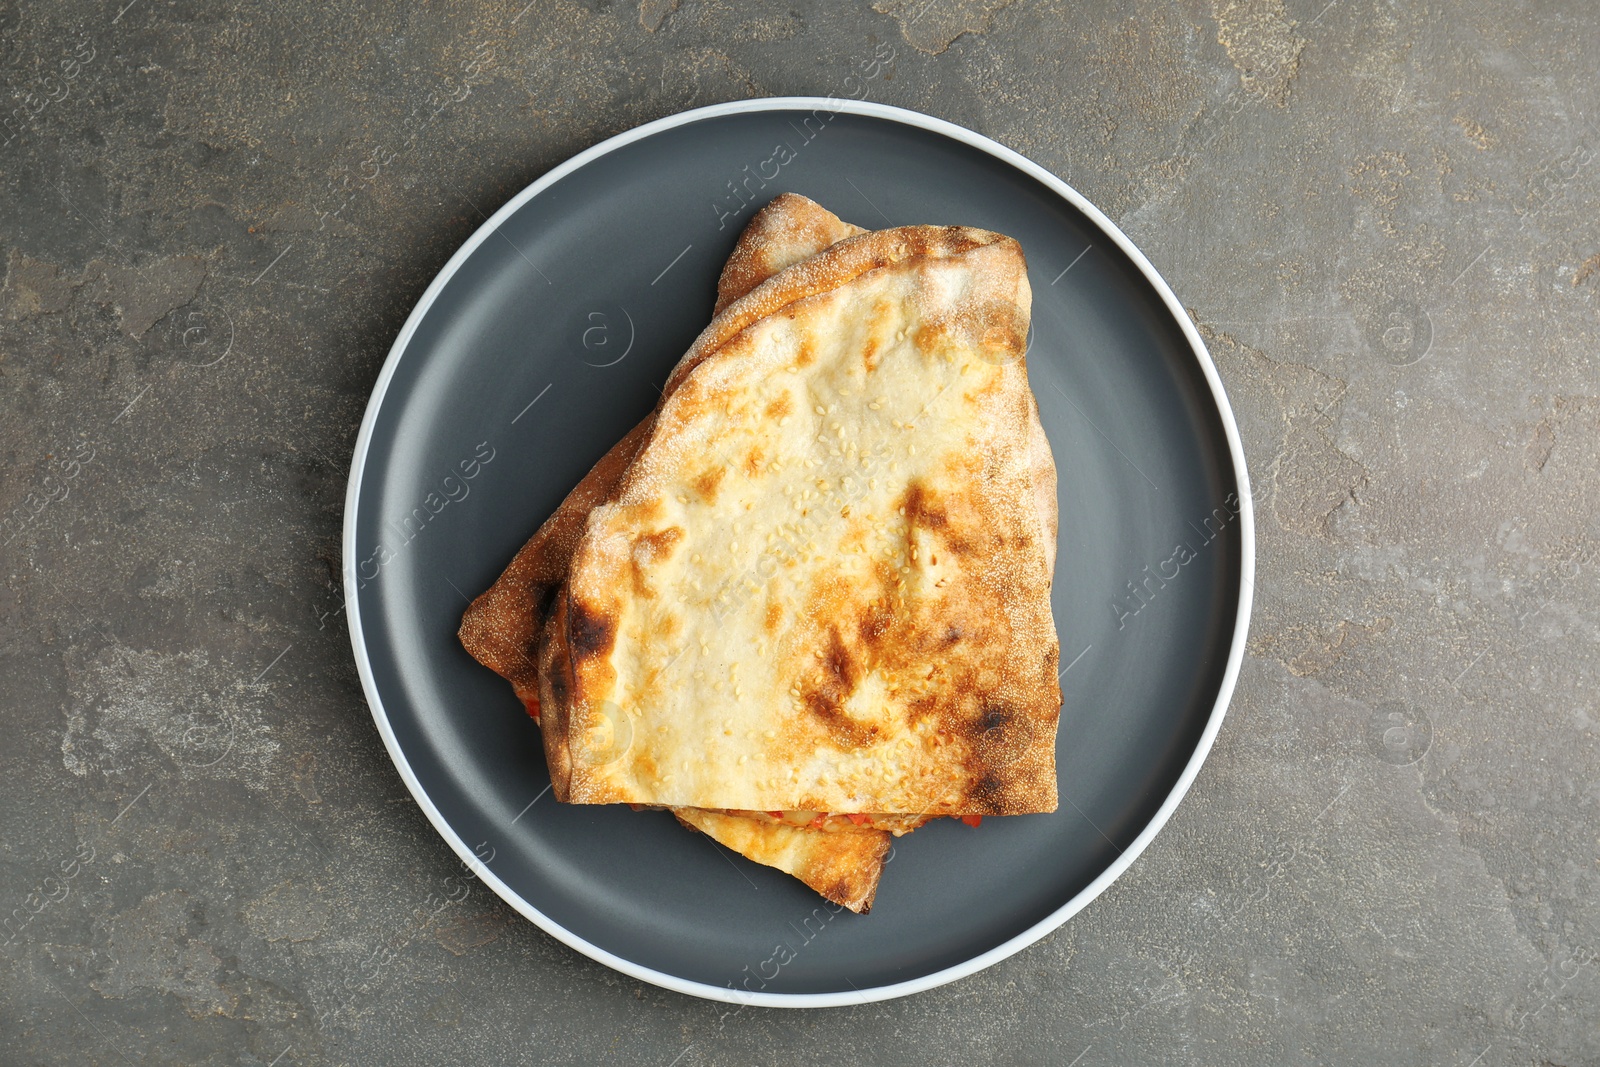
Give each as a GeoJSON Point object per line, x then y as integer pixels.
{"type": "Point", "coordinates": [546, 338]}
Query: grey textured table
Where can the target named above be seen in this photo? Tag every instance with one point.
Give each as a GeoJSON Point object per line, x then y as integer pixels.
{"type": "Point", "coordinates": [1382, 217]}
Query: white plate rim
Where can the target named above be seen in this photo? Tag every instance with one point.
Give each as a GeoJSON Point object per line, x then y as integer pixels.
{"type": "Point", "coordinates": [1124, 860]}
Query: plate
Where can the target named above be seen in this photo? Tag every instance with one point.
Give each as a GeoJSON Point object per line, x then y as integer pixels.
{"type": "Point", "coordinates": [548, 335]}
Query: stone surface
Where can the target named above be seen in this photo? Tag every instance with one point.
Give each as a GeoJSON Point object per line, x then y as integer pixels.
{"type": "Point", "coordinates": [1381, 216]}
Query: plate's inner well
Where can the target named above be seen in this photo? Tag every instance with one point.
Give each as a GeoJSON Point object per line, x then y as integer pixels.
{"type": "Point", "coordinates": [551, 341]}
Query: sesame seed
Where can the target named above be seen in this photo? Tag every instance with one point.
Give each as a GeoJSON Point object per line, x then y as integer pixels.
{"type": "Point", "coordinates": [821, 410]}
{"type": "Point", "coordinates": [874, 406]}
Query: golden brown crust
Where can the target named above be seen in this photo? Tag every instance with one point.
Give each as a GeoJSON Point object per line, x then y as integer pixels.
{"type": "Point", "coordinates": [789, 229]}
{"type": "Point", "coordinates": [844, 866]}
{"type": "Point", "coordinates": [977, 659]}
{"type": "Point", "coordinates": [826, 271]}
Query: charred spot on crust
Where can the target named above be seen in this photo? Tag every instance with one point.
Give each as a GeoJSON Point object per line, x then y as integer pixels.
{"type": "Point", "coordinates": [822, 704]}
{"type": "Point", "coordinates": [774, 616]}
{"type": "Point", "coordinates": [923, 510]}
{"type": "Point", "coordinates": [588, 633]}
{"type": "Point", "coordinates": [840, 893]}
{"type": "Point", "coordinates": [544, 598]}
{"type": "Point", "coordinates": [875, 622]}
{"type": "Point", "coordinates": [843, 671]}
{"type": "Point", "coordinates": [752, 462]}
{"type": "Point", "coordinates": [558, 687]}
{"type": "Point", "coordinates": [994, 719]}
{"type": "Point", "coordinates": [1003, 736]}
{"type": "Point", "coordinates": [920, 508]}
{"type": "Point", "coordinates": [780, 406]}
{"type": "Point", "coordinates": [555, 681]}
{"type": "Point", "coordinates": [840, 676]}
{"type": "Point", "coordinates": [952, 634]}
